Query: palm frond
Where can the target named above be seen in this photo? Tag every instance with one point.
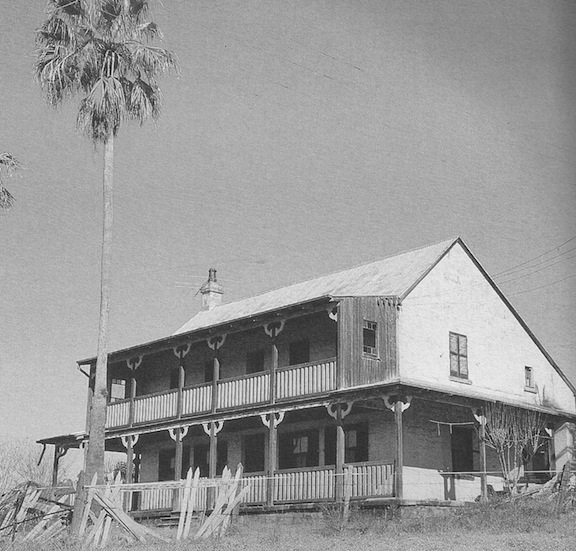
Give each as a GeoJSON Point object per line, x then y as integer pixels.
{"type": "Point", "coordinates": [102, 49]}
{"type": "Point", "coordinates": [9, 165]}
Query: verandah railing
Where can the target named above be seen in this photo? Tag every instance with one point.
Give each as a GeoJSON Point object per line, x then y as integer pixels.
{"type": "Point", "coordinates": [311, 484]}
{"type": "Point", "coordinates": [291, 382]}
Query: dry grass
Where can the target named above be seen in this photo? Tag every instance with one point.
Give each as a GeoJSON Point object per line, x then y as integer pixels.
{"type": "Point", "coordinates": [525, 526]}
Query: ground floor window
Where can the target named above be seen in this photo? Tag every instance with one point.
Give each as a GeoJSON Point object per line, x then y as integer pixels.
{"type": "Point", "coordinates": [167, 462]}
{"type": "Point", "coordinates": [463, 439]}
{"type": "Point", "coordinates": [202, 457]}
{"type": "Point", "coordinates": [355, 444]}
{"type": "Point", "coordinates": [253, 452]}
{"type": "Point", "coordinates": [298, 449]}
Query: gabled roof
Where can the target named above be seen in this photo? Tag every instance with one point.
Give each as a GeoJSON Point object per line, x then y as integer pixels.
{"type": "Point", "coordinates": [394, 276]}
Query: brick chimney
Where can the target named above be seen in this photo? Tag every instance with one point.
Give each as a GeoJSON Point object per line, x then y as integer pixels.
{"type": "Point", "coordinates": [211, 291]}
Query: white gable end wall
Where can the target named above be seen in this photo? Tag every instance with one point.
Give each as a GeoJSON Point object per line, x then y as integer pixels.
{"type": "Point", "coordinates": [455, 296]}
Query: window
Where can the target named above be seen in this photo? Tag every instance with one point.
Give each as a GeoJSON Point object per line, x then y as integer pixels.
{"type": "Point", "coordinates": [458, 356]}
{"type": "Point", "coordinates": [529, 378]}
{"type": "Point", "coordinates": [202, 457]}
{"type": "Point", "coordinates": [297, 450]}
{"type": "Point", "coordinates": [462, 449]}
{"type": "Point", "coordinates": [209, 371]}
{"type": "Point", "coordinates": [369, 337]}
{"type": "Point", "coordinates": [174, 377]}
{"type": "Point", "coordinates": [299, 352]}
{"type": "Point", "coordinates": [355, 442]}
{"type": "Point", "coordinates": [167, 461]}
{"type": "Point", "coordinates": [255, 361]}
{"type": "Point", "coordinates": [253, 447]}
{"type": "Point", "coordinates": [117, 390]}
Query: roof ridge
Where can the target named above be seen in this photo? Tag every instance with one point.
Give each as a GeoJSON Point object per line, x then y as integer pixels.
{"type": "Point", "coordinates": [448, 243]}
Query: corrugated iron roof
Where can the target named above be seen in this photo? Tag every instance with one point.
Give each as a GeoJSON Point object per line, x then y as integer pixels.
{"type": "Point", "coordinates": [392, 276]}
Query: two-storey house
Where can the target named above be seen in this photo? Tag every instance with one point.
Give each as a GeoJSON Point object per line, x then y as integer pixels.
{"type": "Point", "coordinates": [380, 368]}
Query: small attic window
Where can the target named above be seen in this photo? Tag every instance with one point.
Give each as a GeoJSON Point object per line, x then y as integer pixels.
{"type": "Point", "coordinates": [369, 338]}
{"type": "Point", "coordinates": [529, 383]}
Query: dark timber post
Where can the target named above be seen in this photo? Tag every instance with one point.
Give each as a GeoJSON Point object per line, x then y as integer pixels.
{"type": "Point", "coordinates": [271, 420]}
{"type": "Point", "coordinates": [482, 437]}
{"type": "Point", "coordinates": [399, 480]}
{"type": "Point", "coordinates": [133, 364]}
{"type": "Point", "coordinates": [398, 404]}
{"type": "Point", "coordinates": [59, 452]}
{"type": "Point", "coordinates": [339, 412]}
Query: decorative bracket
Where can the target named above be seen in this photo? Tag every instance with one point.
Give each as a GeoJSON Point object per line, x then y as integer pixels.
{"type": "Point", "coordinates": [274, 328]}
{"type": "Point", "coordinates": [181, 350]}
{"type": "Point", "coordinates": [217, 427]}
{"type": "Point", "coordinates": [182, 430]}
{"type": "Point", "coordinates": [333, 409]}
{"type": "Point", "coordinates": [548, 431]}
{"type": "Point", "coordinates": [216, 342]}
{"type": "Point", "coordinates": [278, 417]}
{"type": "Point", "coordinates": [134, 363]}
{"type": "Point", "coordinates": [60, 452]}
{"type": "Point", "coordinates": [406, 402]}
{"type": "Point", "coordinates": [129, 440]}
{"type": "Point", "coordinates": [333, 313]}
{"type": "Point", "coordinates": [479, 417]}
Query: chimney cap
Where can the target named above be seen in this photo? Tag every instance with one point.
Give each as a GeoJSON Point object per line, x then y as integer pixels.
{"type": "Point", "coordinates": [211, 291]}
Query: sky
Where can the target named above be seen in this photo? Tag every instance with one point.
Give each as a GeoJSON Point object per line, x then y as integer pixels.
{"type": "Point", "coordinates": [301, 137]}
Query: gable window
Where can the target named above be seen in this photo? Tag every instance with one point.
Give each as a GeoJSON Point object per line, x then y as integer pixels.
{"type": "Point", "coordinates": [255, 361]}
{"type": "Point", "coordinates": [529, 383]}
{"type": "Point", "coordinates": [458, 355]}
{"type": "Point", "coordinates": [117, 390]}
{"type": "Point", "coordinates": [369, 337]}
{"type": "Point", "coordinates": [299, 352]}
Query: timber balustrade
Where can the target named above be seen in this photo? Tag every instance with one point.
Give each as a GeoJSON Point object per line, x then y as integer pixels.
{"type": "Point", "coordinates": [197, 399]}
{"type": "Point", "coordinates": [241, 391]}
{"type": "Point", "coordinates": [291, 382]}
{"type": "Point", "coordinates": [310, 484]}
{"type": "Point", "coordinates": [151, 407]}
{"type": "Point", "coordinates": [118, 414]}
{"type": "Point", "coordinates": [305, 379]}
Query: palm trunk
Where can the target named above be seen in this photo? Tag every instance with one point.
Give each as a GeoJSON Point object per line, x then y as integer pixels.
{"type": "Point", "coordinates": [95, 455]}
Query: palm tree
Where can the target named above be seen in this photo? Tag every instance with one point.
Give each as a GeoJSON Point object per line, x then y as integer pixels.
{"type": "Point", "coordinates": [9, 165]}
{"type": "Point", "coordinates": [103, 51]}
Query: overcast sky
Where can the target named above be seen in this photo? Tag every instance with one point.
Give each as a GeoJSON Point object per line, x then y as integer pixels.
{"type": "Point", "coordinates": [301, 137]}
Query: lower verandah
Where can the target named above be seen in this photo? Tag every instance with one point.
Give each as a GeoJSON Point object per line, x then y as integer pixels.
{"type": "Point", "coordinates": [440, 441]}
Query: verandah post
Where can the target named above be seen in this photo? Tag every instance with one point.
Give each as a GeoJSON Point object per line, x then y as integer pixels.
{"type": "Point", "coordinates": [399, 479]}
{"type": "Point", "coordinates": [340, 454]}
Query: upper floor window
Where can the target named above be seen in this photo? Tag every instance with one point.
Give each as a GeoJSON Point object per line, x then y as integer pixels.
{"type": "Point", "coordinates": [174, 377]}
{"type": "Point", "coordinates": [209, 371]}
{"type": "Point", "coordinates": [458, 355]}
{"type": "Point", "coordinates": [117, 390]}
{"type": "Point", "coordinates": [299, 352]}
{"type": "Point", "coordinates": [255, 361]}
{"type": "Point", "coordinates": [369, 337]}
{"type": "Point", "coordinates": [529, 383]}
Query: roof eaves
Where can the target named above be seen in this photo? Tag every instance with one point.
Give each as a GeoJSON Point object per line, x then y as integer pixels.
{"type": "Point", "coordinates": [176, 338]}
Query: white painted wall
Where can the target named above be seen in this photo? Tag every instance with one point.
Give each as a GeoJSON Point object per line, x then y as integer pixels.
{"type": "Point", "coordinates": [456, 297]}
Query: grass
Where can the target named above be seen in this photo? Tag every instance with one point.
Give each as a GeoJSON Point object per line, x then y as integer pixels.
{"type": "Point", "coordinates": [527, 525]}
